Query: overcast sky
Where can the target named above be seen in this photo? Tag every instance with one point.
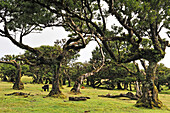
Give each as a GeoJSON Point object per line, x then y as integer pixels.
{"type": "Point", "coordinates": [47, 37]}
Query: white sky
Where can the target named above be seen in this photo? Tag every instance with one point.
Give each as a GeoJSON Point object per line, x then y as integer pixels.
{"type": "Point", "coordinates": [47, 37]}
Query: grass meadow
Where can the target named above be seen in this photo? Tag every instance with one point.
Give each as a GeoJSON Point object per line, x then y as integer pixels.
{"type": "Point", "coordinates": [38, 104]}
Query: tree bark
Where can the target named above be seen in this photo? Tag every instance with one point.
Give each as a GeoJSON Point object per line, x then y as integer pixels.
{"type": "Point", "coordinates": [125, 86]}
{"type": "Point", "coordinates": [56, 92]}
{"type": "Point", "coordinates": [138, 90]}
{"type": "Point", "coordinates": [130, 85]}
{"type": "Point", "coordinates": [69, 81]}
{"type": "Point", "coordinates": [119, 86]}
{"type": "Point", "coordinates": [79, 81]}
{"type": "Point", "coordinates": [87, 82]}
{"type": "Point", "coordinates": [128, 95]}
{"type": "Point", "coordinates": [149, 96]}
{"type": "Point", "coordinates": [18, 84]}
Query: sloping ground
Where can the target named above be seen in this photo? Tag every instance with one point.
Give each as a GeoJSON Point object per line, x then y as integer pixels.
{"type": "Point", "coordinates": [38, 104]}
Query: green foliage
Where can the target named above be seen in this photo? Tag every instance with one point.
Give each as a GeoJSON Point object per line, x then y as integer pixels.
{"type": "Point", "coordinates": [77, 69]}
{"type": "Point", "coordinates": [42, 72]}
{"type": "Point", "coordinates": [8, 70]}
{"type": "Point", "coordinates": [162, 74]}
{"type": "Point", "coordinates": [51, 51]}
{"type": "Point", "coordinates": [86, 20]}
{"type": "Point", "coordinates": [25, 69]}
{"type": "Point", "coordinates": [146, 43]}
{"type": "Point", "coordinates": [110, 72]}
{"type": "Point", "coordinates": [25, 15]}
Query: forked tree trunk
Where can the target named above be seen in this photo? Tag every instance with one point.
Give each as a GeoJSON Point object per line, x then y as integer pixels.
{"type": "Point", "coordinates": [150, 93]}
{"type": "Point", "coordinates": [18, 84]}
{"type": "Point", "coordinates": [56, 92]}
{"type": "Point", "coordinates": [80, 79]}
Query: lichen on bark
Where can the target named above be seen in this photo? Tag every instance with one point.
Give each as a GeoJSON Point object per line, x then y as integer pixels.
{"type": "Point", "coordinates": [149, 96]}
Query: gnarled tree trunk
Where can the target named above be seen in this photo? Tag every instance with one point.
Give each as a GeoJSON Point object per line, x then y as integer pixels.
{"type": "Point", "coordinates": [79, 81]}
{"type": "Point", "coordinates": [56, 92]}
{"type": "Point", "coordinates": [149, 97]}
{"type": "Point", "coordinates": [18, 84]}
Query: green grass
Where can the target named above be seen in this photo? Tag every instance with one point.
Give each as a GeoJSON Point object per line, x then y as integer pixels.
{"type": "Point", "coordinates": [26, 79]}
{"type": "Point", "coordinates": [38, 104]}
{"type": "Point", "coordinates": [165, 90]}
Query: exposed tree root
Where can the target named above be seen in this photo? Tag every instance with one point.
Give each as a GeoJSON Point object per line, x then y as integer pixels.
{"type": "Point", "coordinates": [18, 86]}
{"type": "Point", "coordinates": [57, 95]}
{"type": "Point", "coordinates": [149, 103]}
{"type": "Point", "coordinates": [73, 91]}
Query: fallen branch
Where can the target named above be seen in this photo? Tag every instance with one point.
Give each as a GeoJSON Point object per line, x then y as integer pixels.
{"type": "Point", "coordinates": [19, 94]}
{"type": "Point", "coordinates": [128, 95]}
{"type": "Point", "coordinates": [78, 98]}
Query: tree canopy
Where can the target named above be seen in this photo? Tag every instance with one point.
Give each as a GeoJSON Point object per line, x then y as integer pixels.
{"type": "Point", "coordinates": [136, 37]}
